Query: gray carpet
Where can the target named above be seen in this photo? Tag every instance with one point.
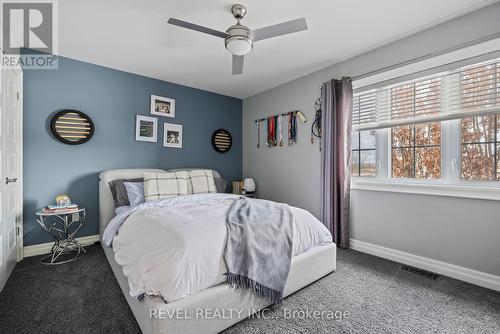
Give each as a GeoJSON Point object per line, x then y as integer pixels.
{"type": "Point", "coordinates": [373, 295]}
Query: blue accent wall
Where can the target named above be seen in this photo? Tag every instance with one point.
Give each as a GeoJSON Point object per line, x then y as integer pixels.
{"type": "Point", "coordinates": [112, 99]}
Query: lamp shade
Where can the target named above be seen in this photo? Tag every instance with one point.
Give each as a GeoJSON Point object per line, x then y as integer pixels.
{"type": "Point", "coordinates": [249, 184]}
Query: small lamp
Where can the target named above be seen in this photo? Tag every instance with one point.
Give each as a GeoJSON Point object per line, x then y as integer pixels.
{"type": "Point", "coordinates": [249, 185]}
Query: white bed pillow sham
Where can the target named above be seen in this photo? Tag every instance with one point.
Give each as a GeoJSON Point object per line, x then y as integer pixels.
{"type": "Point", "coordinates": [202, 181]}
{"type": "Point", "coordinates": [164, 185]}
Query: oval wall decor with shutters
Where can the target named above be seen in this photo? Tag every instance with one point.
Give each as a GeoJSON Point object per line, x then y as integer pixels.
{"type": "Point", "coordinates": [222, 140]}
{"type": "Point", "coordinates": [72, 127]}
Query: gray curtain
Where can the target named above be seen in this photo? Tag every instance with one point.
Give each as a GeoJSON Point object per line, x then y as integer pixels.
{"type": "Point", "coordinates": [336, 127]}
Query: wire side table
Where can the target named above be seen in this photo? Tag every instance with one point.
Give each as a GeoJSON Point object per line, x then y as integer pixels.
{"type": "Point", "coordinates": [63, 227]}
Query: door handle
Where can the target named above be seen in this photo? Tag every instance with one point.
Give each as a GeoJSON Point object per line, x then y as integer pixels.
{"type": "Point", "coordinates": [9, 180]}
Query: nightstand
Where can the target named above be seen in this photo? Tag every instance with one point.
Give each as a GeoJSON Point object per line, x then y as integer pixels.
{"type": "Point", "coordinates": [63, 227]}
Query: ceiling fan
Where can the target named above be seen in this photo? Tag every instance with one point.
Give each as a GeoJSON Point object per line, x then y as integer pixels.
{"type": "Point", "coordinates": [239, 39]}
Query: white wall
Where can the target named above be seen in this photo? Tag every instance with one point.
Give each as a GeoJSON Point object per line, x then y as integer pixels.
{"type": "Point", "coordinates": [463, 232]}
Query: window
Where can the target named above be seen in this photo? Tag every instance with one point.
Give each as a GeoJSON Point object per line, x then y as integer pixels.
{"type": "Point", "coordinates": [363, 161]}
{"type": "Point", "coordinates": [363, 143]}
{"type": "Point", "coordinates": [416, 148]}
{"type": "Point", "coordinates": [444, 127]}
{"type": "Point", "coordinates": [480, 151]}
{"type": "Point", "coordinates": [480, 135]}
{"type": "Point", "coordinates": [416, 151]}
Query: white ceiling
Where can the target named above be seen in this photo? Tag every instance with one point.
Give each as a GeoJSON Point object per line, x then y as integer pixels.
{"type": "Point", "coordinates": [133, 36]}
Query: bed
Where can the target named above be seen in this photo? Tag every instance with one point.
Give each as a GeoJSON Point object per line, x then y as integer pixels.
{"type": "Point", "coordinates": [155, 316]}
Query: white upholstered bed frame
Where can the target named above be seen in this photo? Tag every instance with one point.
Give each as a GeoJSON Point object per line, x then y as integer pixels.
{"type": "Point", "coordinates": [305, 269]}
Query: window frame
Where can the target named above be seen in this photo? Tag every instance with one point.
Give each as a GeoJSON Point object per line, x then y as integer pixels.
{"type": "Point", "coordinates": [390, 179]}
{"type": "Point", "coordinates": [450, 184]}
{"type": "Point", "coordinates": [495, 143]}
{"type": "Point", "coordinates": [414, 147]}
{"type": "Point", "coordinates": [359, 150]}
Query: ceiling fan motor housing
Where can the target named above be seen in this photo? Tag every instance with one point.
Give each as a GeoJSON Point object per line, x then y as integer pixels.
{"type": "Point", "coordinates": [238, 11]}
{"type": "Point", "coordinates": [239, 40]}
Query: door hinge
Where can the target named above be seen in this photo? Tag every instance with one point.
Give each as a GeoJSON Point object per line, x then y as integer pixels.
{"type": "Point", "coordinates": [17, 96]}
{"type": "Point", "coordinates": [18, 230]}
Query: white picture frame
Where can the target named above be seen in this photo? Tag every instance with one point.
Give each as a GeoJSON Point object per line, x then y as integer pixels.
{"type": "Point", "coordinates": [172, 135]}
{"type": "Point", "coordinates": [162, 106]}
{"type": "Point", "coordinates": [146, 128]}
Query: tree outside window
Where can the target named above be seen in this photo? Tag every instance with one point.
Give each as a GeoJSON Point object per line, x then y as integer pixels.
{"type": "Point", "coordinates": [416, 148]}
{"type": "Point", "coordinates": [480, 135]}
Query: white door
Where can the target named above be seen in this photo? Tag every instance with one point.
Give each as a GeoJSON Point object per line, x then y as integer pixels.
{"type": "Point", "coordinates": [10, 171]}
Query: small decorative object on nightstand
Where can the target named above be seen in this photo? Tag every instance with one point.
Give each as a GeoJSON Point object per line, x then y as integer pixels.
{"type": "Point", "coordinates": [248, 187]}
{"type": "Point", "coordinates": [62, 223]}
{"type": "Point", "coordinates": [62, 200]}
{"type": "Point", "coordinates": [245, 188]}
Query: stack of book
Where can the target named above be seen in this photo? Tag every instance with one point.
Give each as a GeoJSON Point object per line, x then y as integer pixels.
{"type": "Point", "coordinates": [60, 208]}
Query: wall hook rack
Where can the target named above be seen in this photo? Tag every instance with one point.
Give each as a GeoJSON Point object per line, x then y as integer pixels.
{"type": "Point", "coordinates": [275, 128]}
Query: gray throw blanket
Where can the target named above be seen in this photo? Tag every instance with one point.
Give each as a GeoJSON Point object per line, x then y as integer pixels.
{"type": "Point", "coordinates": [259, 246]}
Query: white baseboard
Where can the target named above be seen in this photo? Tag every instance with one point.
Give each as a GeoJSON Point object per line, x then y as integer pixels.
{"type": "Point", "coordinates": [41, 249]}
{"type": "Point", "coordinates": [464, 274]}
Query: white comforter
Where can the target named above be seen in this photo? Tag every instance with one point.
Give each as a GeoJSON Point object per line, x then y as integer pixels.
{"type": "Point", "coordinates": [174, 247]}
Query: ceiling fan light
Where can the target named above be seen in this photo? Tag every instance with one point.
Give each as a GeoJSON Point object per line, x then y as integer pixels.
{"type": "Point", "coordinates": [239, 46]}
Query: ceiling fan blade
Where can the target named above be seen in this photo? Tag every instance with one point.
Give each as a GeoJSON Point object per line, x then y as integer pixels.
{"type": "Point", "coordinates": [280, 29]}
{"type": "Point", "coordinates": [196, 27]}
{"type": "Point", "coordinates": [238, 64]}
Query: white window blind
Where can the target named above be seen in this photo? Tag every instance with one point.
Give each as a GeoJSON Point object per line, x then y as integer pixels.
{"type": "Point", "coordinates": [464, 92]}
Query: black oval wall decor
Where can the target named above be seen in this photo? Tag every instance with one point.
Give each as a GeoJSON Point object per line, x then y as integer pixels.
{"type": "Point", "coordinates": [72, 127]}
{"type": "Point", "coordinates": [222, 140]}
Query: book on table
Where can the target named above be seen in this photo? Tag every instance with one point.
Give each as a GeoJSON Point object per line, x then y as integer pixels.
{"type": "Point", "coordinates": [66, 206]}
{"type": "Point", "coordinates": [60, 208]}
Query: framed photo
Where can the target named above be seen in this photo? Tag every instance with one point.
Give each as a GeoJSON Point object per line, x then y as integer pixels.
{"type": "Point", "coordinates": [162, 106]}
{"type": "Point", "coordinates": [146, 128]}
{"type": "Point", "coordinates": [172, 135]}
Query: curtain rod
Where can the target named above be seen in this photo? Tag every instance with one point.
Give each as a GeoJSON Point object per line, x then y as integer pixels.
{"type": "Point", "coordinates": [428, 56]}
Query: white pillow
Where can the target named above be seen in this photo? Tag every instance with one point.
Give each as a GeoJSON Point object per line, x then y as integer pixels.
{"type": "Point", "coordinates": [164, 185]}
{"type": "Point", "coordinates": [202, 181]}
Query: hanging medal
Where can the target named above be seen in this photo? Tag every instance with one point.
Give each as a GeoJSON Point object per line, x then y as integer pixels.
{"type": "Point", "coordinates": [275, 130]}
{"type": "Point", "coordinates": [270, 134]}
{"type": "Point", "coordinates": [280, 129]}
{"type": "Point", "coordinates": [293, 128]}
{"type": "Point", "coordinates": [258, 134]}
{"type": "Point", "coordinates": [268, 131]}
{"type": "Point", "coordinates": [275, 138]}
